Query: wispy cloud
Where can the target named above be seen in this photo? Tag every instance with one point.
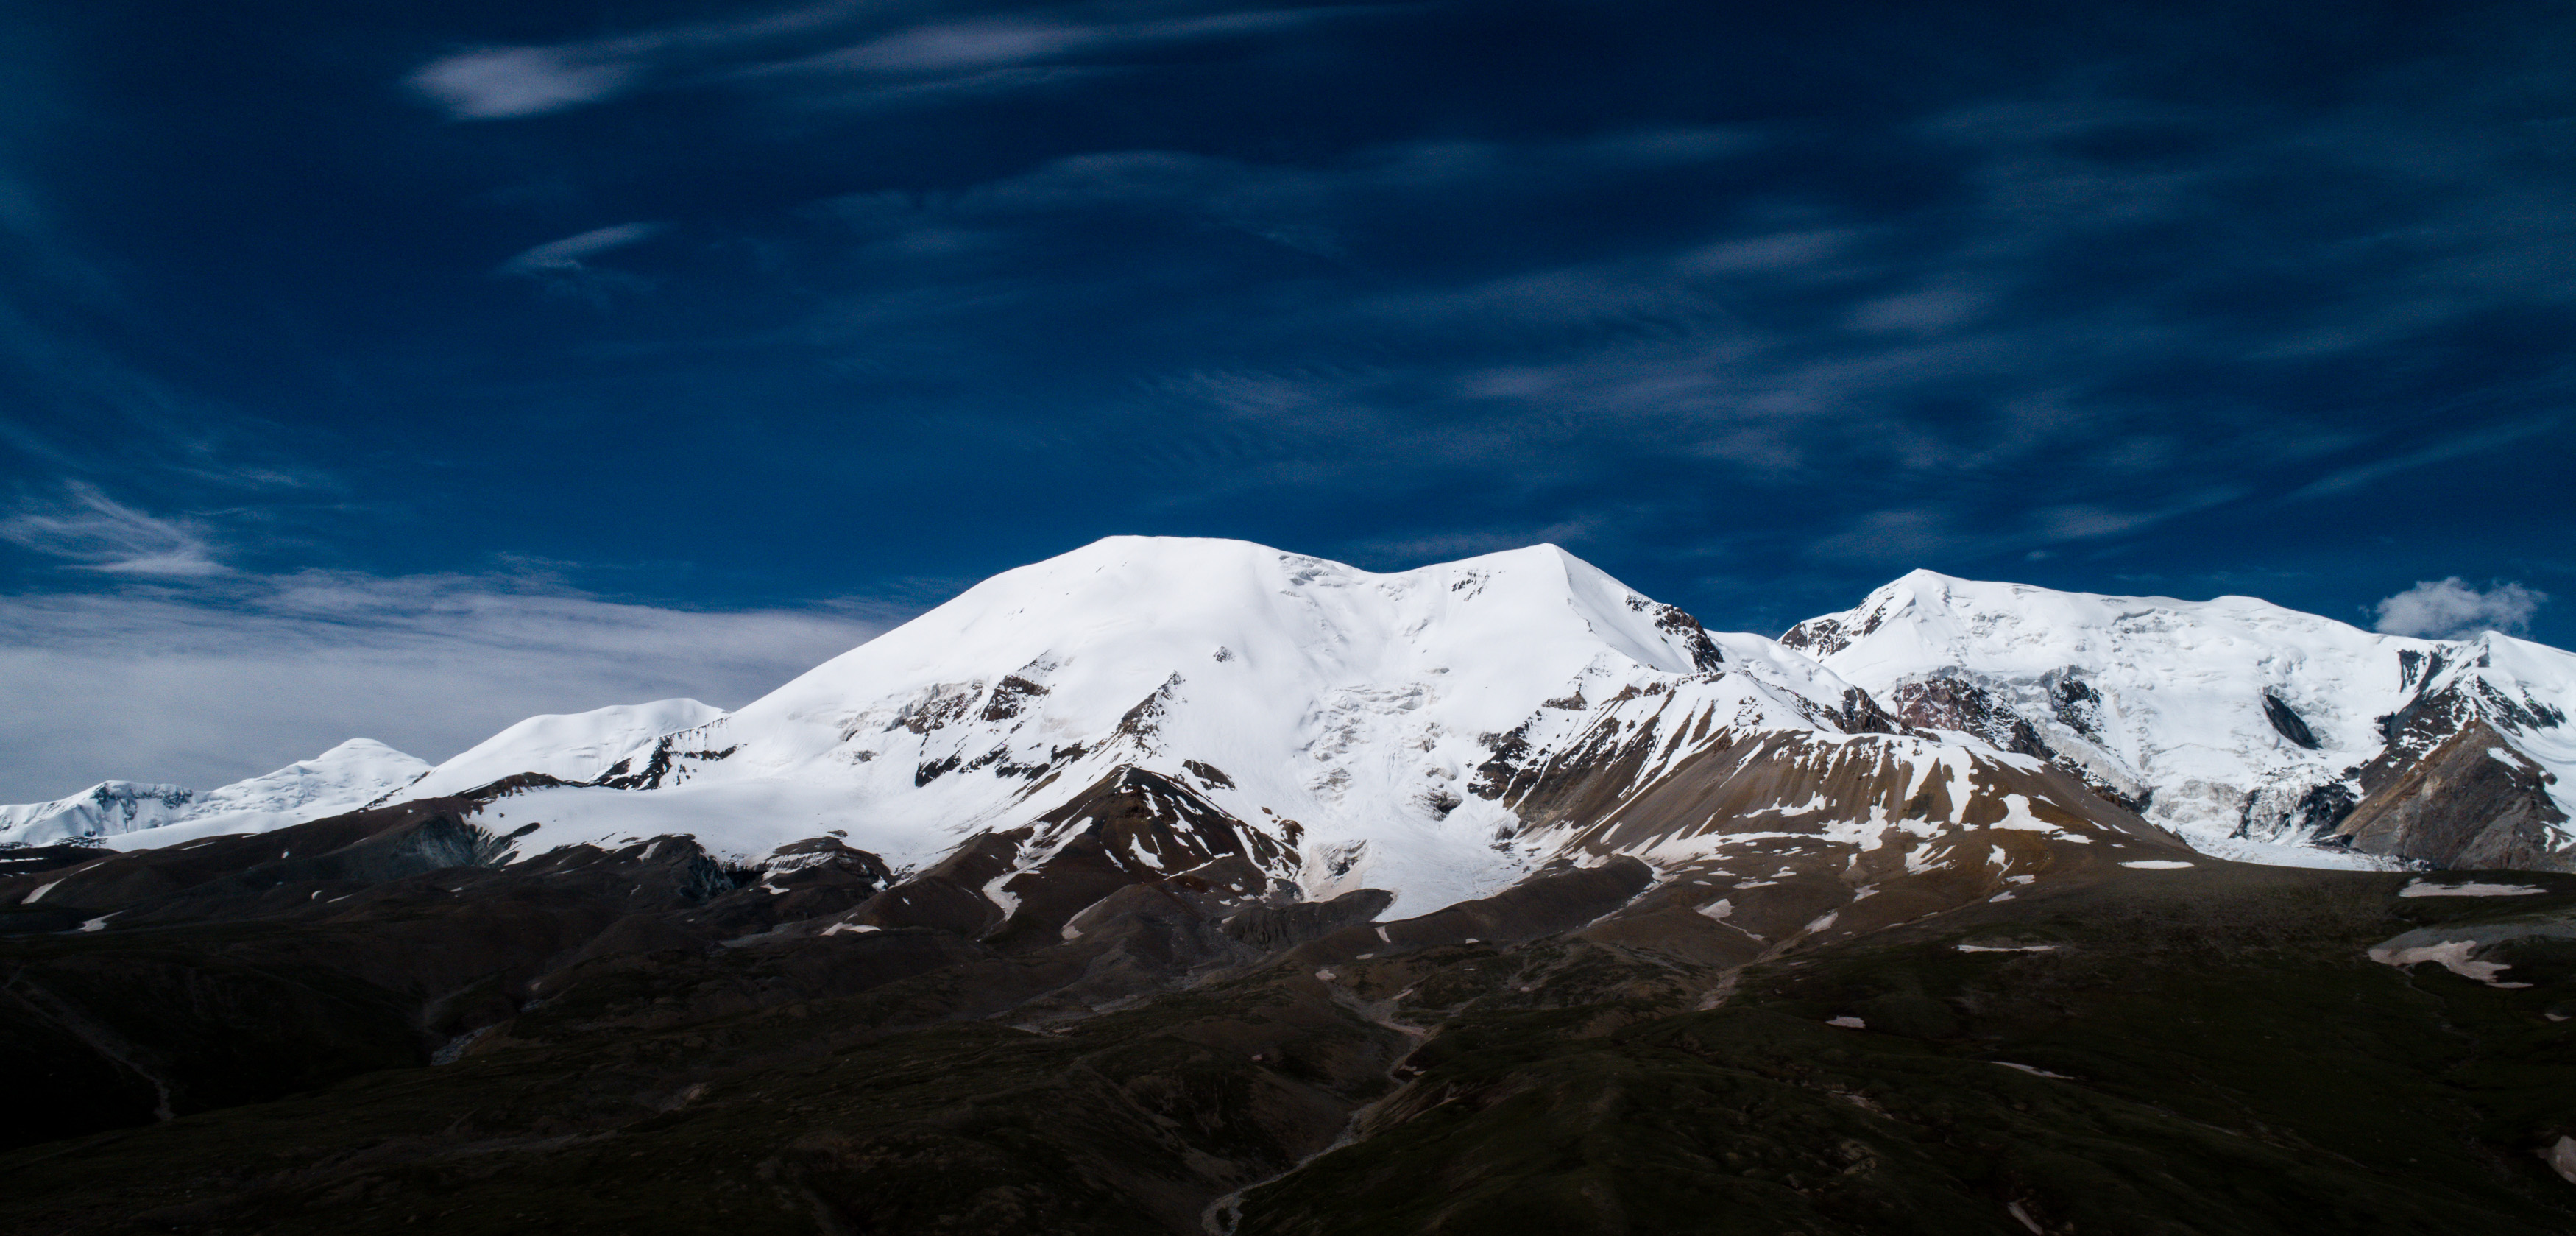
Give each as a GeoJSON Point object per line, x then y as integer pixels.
{"type": "Point", "coordinates": [565, 267]}
{"type": "Point", "coordinates": [97, 533]}
{"type": "Point", "coordinates": [2455, 446]}
{"type": "Point", "coordinates": [2453, 609]}
{"type": "Point", "coordinates": [499, 83]}
{"type": "Point", "coordinates": [776, 52]}
{"type": "Point", "coordinates": [1932, 532]}
{"type": "Point", "coordinates": [567, 253]}
{"type": "Point", "coordinates": [502, 83]}
{"type": "Point", "coordinates": [2049, 322]}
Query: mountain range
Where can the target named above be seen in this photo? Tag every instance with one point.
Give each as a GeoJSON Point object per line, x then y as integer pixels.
{"type": "Point", "coordinates": [1185, 780]}
{"type": "Point", "coordinates": [1434, 731]}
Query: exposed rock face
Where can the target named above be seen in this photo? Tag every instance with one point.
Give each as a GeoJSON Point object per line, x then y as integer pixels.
{"type": "Point", "coordinates": [104, 809]}
{"type": "Point", "coordinates": [2473, 802]}
{"type": "Point", "coordinates": [1823, 637]}
{"type": "Point", "coordinates": [1950, 702]}
{"type": "Point", "coordinates": [2448, 698]}
{"type": "Point", "coordinates": [2287, 722]}
{"type": "Point", "coordinates": [1025, 885]}
{"type": "Point", "coordinates": [1295, 922]}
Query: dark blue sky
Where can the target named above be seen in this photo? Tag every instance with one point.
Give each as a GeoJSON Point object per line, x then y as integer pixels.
{"type": "Point", "coordinates": [819, 312]}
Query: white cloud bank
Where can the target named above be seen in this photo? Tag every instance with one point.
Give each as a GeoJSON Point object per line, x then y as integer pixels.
{"type": "Point", "coordinates": [212, 684]}
{"type": "Point", "coordinates": [2451, 609]}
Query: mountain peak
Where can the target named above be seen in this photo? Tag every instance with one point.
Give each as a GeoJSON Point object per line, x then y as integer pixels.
{"type": "Point", "coordinates": [2233, 721]}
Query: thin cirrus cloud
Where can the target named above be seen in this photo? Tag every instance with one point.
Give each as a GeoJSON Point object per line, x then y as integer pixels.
{"type": "Point", "coordinates": [90, 531]}
{"type": "Point", "coordinates": [565, 267]}
{"type": "Point", "coordinates": [501, 83]}
{"type": "Point", "coordinates": [567, 254]}
{"type": "Point", "coordinates": [2457, 446]}
{"type": "Point", "coordinates": [2017, 342]}
{"type": "Point", "coordinates": [1912, 536]}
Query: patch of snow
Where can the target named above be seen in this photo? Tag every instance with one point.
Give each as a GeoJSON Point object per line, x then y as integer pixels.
{"type": "Point", "coordinates": [1847, 1023]}
{"type": "Point", "coordinates": [2035, 1072]}
{"type": "Point", "coordinates": [2156, 864]}
{"type": "Point", "coordinates": [2426, 888]}
{"type": "Point", "coordinates": [1003, 897]}
{"type": "Point", "coordinates": [2561, 1157]}
{"type": "Point", "coordinates": [2451, 955]}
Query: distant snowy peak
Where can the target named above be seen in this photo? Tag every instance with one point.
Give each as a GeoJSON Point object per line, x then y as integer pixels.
{"type": "Point", "coordinates": [353, 772]}
{"type": "Point", "coordinates": [106, 808]}
{"type": "Point", "coordinates": [2234, 721]}
{"type": "Point", "coordinates": [576, 747]}
{"type": "Point", "coordinates": [340, 779]}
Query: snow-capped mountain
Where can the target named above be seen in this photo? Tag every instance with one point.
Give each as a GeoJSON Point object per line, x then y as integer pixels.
{"type": "Point", "coordinates": [1346, 716]}
{"type": "Point", "coordinates": [1282, 725]}
{"type": "Point", "coordinates": [1436, 732]}
{"type": "Point", "coordinates": [343, 778]}
{"type": "Point", "coordinates": [2247, 728]}
{"type": "Point", "coordinates": [1144, 707]}
{"type": "Point", "coordinates": [568, 747]}
{"type": "Point", "coordinates": [106, 808]}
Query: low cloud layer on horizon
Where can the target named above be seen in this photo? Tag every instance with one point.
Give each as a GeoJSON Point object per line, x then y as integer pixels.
{"type": "Point", "coordinates": [200, 688]}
